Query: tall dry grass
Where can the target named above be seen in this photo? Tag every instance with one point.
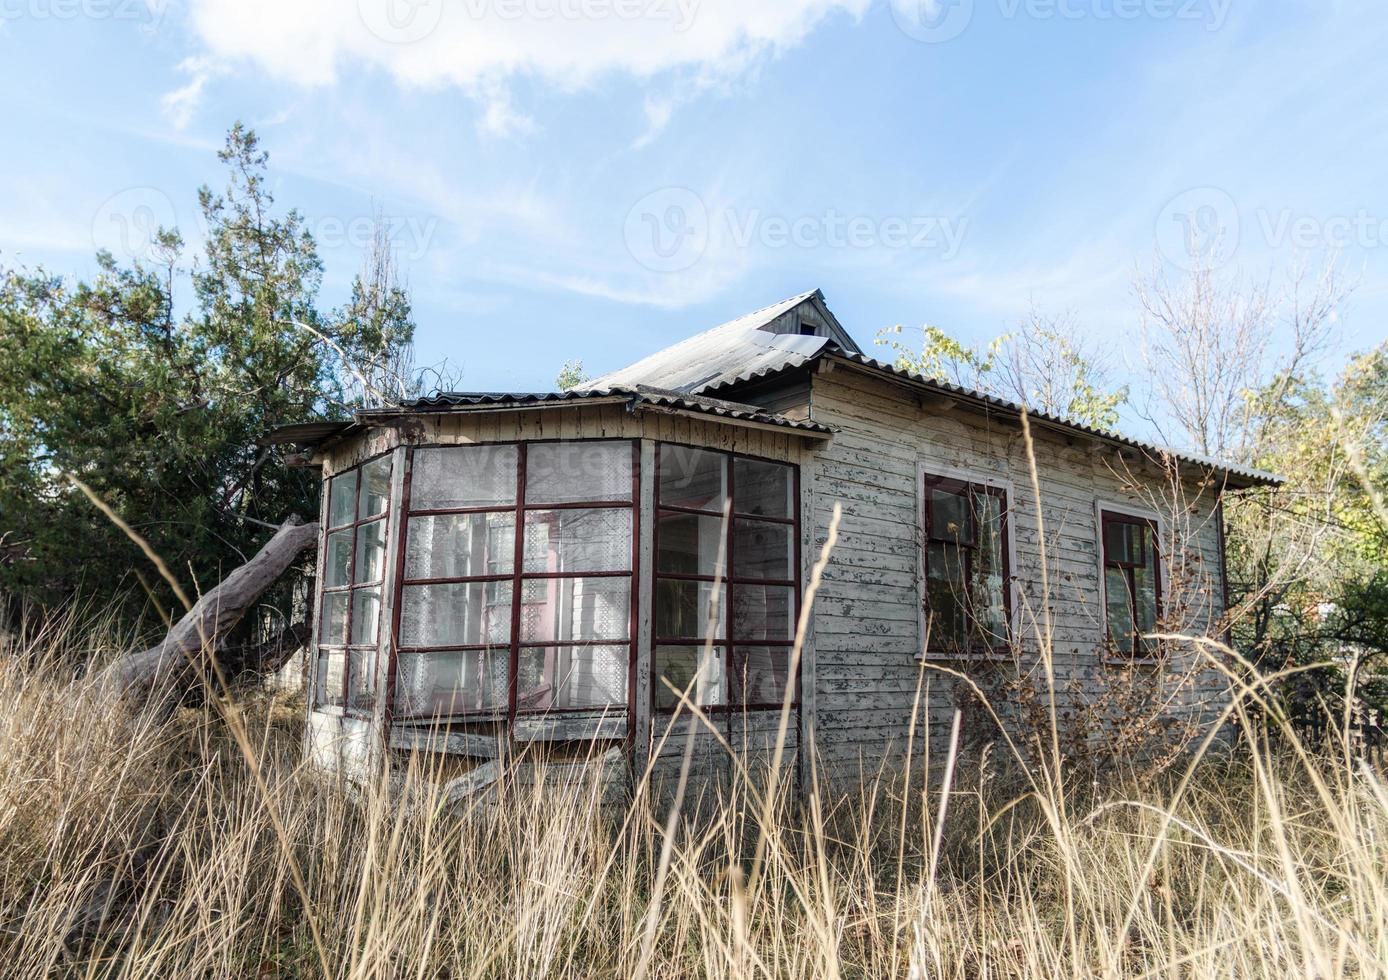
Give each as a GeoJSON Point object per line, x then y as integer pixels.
{"type": "Point", "coordinates": [143, 847]}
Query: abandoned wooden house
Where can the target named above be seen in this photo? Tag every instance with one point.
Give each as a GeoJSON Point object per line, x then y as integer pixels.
{"type": "Point", "coordinates": [501, 571]}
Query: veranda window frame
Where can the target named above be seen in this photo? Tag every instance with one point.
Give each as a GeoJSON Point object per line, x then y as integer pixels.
{"type": "Point", "coordinates": [349, 649]}
{"type": "Point", "coordinates": [964, 484]}
{"type": "Point", "coordinates": [516, 577]}
{"type": "Point", "coordinates": [726, 642]}
{"type": "Point", "coordinates": [1110, 514]}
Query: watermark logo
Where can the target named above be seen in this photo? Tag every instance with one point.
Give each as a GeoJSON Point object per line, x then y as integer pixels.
{"type": "Point", "coordinates": [669, 230]}
{"type": "Point", "coordinates": [149, 13]}
{"type": "Point", "coordinates": [1199, 228]}
{"type": "Point", "coordinates": [933, 21]}
{"type": "Point", "coordinates": [400, 21]}
{"type": "Point", "coordinates": [410, 236]}
{"type": "Point", "coordinates": [128, 223]}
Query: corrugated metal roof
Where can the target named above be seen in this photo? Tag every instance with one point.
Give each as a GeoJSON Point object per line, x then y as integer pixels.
{"type": "Point", "coordinates": [638, 395]}
{"type": "Point", "coordinates": [741, 351]}
{"type": "Point", "coordinates": [303, 433]}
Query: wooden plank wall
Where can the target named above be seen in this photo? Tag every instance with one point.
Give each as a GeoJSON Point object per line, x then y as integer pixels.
{"type": "Point", "coordinates": [868, 634]}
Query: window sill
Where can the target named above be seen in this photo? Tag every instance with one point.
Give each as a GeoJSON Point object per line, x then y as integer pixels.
{"type": "Point", "coordinates": [997, 657]}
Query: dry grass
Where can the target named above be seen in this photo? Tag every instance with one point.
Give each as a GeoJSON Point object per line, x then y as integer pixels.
{"type": "Point", "coordinates": [143, 848]}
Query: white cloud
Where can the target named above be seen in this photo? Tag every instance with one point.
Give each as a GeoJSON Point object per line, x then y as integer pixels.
{"type": "Point", "coordinates": [471, 43]}
{"type": "Point", "coordinates": [181, 104]}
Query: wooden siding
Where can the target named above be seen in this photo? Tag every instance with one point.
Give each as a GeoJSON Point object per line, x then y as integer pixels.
{"type": "Point", "coordinates": [868, 618]}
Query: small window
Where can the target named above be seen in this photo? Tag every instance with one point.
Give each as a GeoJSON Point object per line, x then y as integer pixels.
{"type": "Point", "coordinates": [1132, 584]}
{"type": "Point", "coordinates": [967, 601]}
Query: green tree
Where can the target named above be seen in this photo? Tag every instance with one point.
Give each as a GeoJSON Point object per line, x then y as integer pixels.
{"type": "Point", "coordinates": [570, 376]}
{"type": "Point", "coordinates": [159, 412]}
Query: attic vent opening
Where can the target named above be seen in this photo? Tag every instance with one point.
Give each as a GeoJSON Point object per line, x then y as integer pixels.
{"type": "Point", "coordinates": [808, 328]}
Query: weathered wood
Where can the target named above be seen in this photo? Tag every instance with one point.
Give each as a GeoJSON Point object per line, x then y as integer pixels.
{"type": "Point", "coordinates": [210, 619]}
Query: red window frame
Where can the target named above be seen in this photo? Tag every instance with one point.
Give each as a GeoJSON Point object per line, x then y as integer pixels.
{"type": "Point", "coordinates": [517, 577]}
{"type": "Point", "coordinates": [726, 643]}
{"type": "Point", "coordinates": [966, 489]}
{"type": "Point", "coordinates": [1129, 569]}
{"type": "Point", "coordinates": [350, 651]}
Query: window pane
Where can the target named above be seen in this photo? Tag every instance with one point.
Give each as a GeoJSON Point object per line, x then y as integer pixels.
{"type": "Point", "coordinates": [451, 682]}
{"type": "Point", "coordinates": [596, 540]}
{"type": "Point", "coordinates": [759, 674]}
{"type": "Point", "coordinates": [572, 677]}
{"type": "Point", "coordinates": [684, 610]}
{"type": "Point", "coordinates": [458, 545]}
{"type": "Point", "coordinates": [366, 614]}
{"type": "Point", "coordinates": [949, 517]}
{"type": "Point", "coordinates": [375, 488]}
{"type": "Point", "coordinates": [361, 680]}
{"type": "Point", "coordinates": [763, 612]}
{"type": "Point", "coordinates": [1145, 582]}
{"type": "Point", "coordinates": [576, 472]}
{"type": "Point", "coordinates": [1120, 614]}
{"type": "Point", "coordinates": [456, 614]}
{"type": "Point", "coordinates": [1126, 543]}
{"type": "Point", "coordinates": [679, 665]}
{"type": "Point", "coordinates": [332, 627]}
{"type": "Point", "coordinates": [342, 500]}
{"type": "Point", "coordinates": [371, 553]}
{"type": "Point", "coordinates": [337, 561]}
{"type": "Point", "coordinates": [331, 665]}
{"type": "Point", "coordinates": [692, 478]}
{"type": "Point", "coordinates": [762, 550]}
{"type": "Point", "coordinates": [690, 544]}
{"type": "Point", "coordinates": [575, 609]}
{"type": "Point", "coordinates": [762, 488]}
{"type": "Point", "coordinates": [986, 590]}
{"type": "Point", "coordinates": [463, 476]}
{"type": "Point", "coordinates": [946, 598]}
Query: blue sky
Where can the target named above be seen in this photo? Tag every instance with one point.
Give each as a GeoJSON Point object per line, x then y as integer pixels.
{"type": "Point", "coordinates": [599, 178]}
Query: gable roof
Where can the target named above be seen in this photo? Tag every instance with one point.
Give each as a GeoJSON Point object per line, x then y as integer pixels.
{"type": "Point", "coordinates": [764, 340]}
{"type": "Point", "coordinates": [750, 348]}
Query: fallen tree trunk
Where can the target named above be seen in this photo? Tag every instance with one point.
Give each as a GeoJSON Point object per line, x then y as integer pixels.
{"type": "Point", "coordinates": [163, 667]}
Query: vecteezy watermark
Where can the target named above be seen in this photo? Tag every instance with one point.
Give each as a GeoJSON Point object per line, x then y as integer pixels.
{"type": "Point", "coordinates": [934, 21]}
{"type": "Point", "coordinates": [410, 236]}
{"type": "Point", "coordinates": [670, 229]}
{"type": "Point", "coordinates": [127, 223]}
{"type": "Point", "coordinates": [1199, 228]}
{"type": "Point", "coordinates": [407, 21]}
{"type": "Point", "coordinates": [1204, 227]}
{"type": "Point", "coordinates": [146, 12]}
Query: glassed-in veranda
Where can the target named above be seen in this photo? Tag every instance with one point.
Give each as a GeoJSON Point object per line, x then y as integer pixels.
{"type": "Point", "coordinates": [555, 588]}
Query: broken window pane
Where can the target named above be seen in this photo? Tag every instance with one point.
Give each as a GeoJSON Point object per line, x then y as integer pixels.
{"type": "Point", "coordinates": [577, 472]}
{"type": "Point", "coordinates": [447, 477]}
{"type": "Point", "coordinates": [570, 677]}
{"type": "Point", "coordinates": [761, 488]}
{"type": "Point", "coordinates": [574, 540]}
{"type": "Point", "coordinates": [439, 684]}
{"type": "Point", "coordinates": [692, 478]}
{"type": "Point", "coordinates": [457, 614]}
{"type": "Point", "coordinates": [692, 669]}
{"type": "Point", "coordinates": [461, 545]}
